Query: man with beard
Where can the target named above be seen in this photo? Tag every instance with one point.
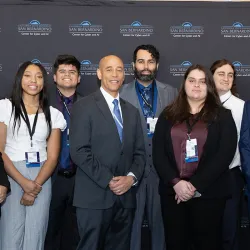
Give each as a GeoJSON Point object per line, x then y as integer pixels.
{"type": "Point", "coordinates": [150, 97]}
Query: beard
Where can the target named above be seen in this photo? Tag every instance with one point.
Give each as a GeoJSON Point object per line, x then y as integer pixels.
{"type": "Point", "coordinates": [145, 78]}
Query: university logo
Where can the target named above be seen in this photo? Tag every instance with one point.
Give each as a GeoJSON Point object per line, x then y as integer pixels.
{"type": "Point", "coordinates": [88, 68]}
{"type": "Point", "coordinates": [85, 28]}
{"type": "Point", "coordinates": [179, 69]}
{"type": "Point", "coordinates": [136, 29]}
{"type": "Point", "coordinates": [48, 66]}
{"type": "Point", "coordinates": [241, 69]}
{"type": "Point", "coordinates": [34, 28]}
{"type": "Point", "coordinates": [237, 30]}
{"type": "Point", "coordinates": [187, 30]}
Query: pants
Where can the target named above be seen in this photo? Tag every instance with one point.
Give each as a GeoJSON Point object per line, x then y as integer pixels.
{"type": "Point", "coordinates": [231, 220]}
{"type": "Point", "coordinates": [24, 227]}
{"type": "Point", "coordinates": [148, 198]}
{"type": "Point", "coordinates": [105, 229]}
{"type": "Point", "coordinates": [196, 223]}
{"type": "Point", "coordinates": [62, 229]}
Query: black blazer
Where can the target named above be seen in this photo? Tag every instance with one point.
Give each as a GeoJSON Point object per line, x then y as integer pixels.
{"type": "Point", "coordinates": [97, 151]}
{"type": "Point", "coordinates": [52, 90]}
{"type": "Point", "coordinates": [53, 101]}
{"type": "Point", "coordinates": [3, 176]}
{"type": "Point", "coordinates": [211, 178]}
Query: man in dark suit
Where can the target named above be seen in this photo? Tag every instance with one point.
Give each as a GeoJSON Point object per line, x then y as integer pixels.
{"type": "Point", "coordinates": [108, 148]}
{"type": "Point", "coordinates": [150, 97]}
{"type": "Point", "coordinates": [4, 182]}
{"type": "Point", "coordinates": [62, 231]}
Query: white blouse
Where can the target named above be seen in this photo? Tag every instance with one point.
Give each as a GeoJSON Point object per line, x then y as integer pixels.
{"type": "Point", "coordinates": [19, 142]}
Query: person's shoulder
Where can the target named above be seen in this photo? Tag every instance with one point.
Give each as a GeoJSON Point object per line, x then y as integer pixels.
{"type": "Point", "coordinates": [238, 101]}
{"type": "Point", "coordinates": [86, 99]}
{"type": "Point", "coordinates": [6, 103]}
{"type": "Point", "coordinates": [54, 111]}
{"type": "Point", "coordinates": [224, 113]}
{"type": "Point", "coordinates": [126, 87]}
{"type": "Point", "coordinates": [165, 86]}
{"type": "Point", "coordinates": [78, 96]}
{"type": "Point", "coordinates": [128, 104]}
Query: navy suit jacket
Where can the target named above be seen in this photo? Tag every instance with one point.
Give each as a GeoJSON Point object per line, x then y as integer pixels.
{"type": "Point", "coordinates": [244, 145]}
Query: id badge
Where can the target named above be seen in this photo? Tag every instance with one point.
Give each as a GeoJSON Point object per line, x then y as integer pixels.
{"type": "Point", "coordinates": [151, 123]}
{"type": "Point", "coordinates": [191, 151]}
{"type": "Point", "coordinates": [32, 159]}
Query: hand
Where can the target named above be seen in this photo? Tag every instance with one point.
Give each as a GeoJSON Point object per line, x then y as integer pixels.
{"type": "Point", "coordinates": [3, 193]}
{"type": "Point", "coordinates": [121, 184]}
{"type": "Point", "coordinates": [31, 187]}
{"type": "Point", "coordinates": [184, 191]}
{"type": "Point", "coordinates": [27, 200]}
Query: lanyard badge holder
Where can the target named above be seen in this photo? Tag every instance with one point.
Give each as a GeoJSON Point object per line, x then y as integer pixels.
{"type": "Point", "coordinates": [151, 120]}
{"type": "Point", "coordinates": [67, 110]}
{"type": "Point", "coordinates": [191, 144]}
{"type": "Point", "coordinates": [151, 123]}
{"type": "Point", "coordinates": [32, 156]}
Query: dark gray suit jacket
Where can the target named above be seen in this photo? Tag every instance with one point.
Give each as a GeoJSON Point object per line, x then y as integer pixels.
{"type": "Point", "coordinates": [166, 94]}
{"type": "Point", "coordinates": [99, 154]}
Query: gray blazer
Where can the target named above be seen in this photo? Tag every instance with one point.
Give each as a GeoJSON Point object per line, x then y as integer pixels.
{"type": "Point", "coordinates": [97, 151]}
{"type": "Point", "coordinates": [166, 94]}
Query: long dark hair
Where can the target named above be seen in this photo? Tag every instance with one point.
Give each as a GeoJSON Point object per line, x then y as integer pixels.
{"type": "Point", "coordinates": [17, 95]}
{"type": "Point", "coordinates": [219, 63]}
{"type": "Point", "coordinates": [179, 110]}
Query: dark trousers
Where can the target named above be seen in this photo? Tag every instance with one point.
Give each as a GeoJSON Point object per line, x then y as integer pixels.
{"type": "Point", "coordinates": [62, 233]}
{"type": "Point", "coordinates": [196, 223]}
{"type": "Point", "coordinates": [148, 199]}
{"type": "Point", "coordinates": [105, 229]}
{"type": "Point", "coordinates": [231, 220]}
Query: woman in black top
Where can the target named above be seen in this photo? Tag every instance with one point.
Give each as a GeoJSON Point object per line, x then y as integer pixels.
{"type": "Point", "coordinates": [194, 142]}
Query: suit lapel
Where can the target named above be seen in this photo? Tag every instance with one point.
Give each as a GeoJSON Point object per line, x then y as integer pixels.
{"type": "Point", "coordinates": [160, 98]}
{"type": "Point", "coordinates": [104, 109]}
{"type": "Point", "coordinates": [133, 99]}
{"type": "Point", "coordinates": [125, 118]}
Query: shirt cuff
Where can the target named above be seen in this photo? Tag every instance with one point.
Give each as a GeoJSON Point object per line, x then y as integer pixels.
{"type": "Point", "coordinates": [175, 181]}
{"type": "Point", "coordinates": [135, 179]}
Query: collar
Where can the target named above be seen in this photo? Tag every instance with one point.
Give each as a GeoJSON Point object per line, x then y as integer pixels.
{"type": "Point", "coordinates": [141, 87]}
{"type": "Point", "coordinates": [69, 98]}
{"type": "Point", "coordinates": [109, 98]}
{"type": "Point", "coordinates": [226, 96]}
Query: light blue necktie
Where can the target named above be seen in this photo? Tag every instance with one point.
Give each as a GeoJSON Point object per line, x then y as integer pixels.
{"type": "Point", "coordinates": [118, 118]}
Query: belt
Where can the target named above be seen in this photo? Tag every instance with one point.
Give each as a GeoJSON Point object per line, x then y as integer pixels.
{"type": "Point", "coordinates": [66, 173]}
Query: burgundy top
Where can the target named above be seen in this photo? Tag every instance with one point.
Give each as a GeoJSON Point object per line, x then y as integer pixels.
{"type": "Point", "coordinates": [179, 138]}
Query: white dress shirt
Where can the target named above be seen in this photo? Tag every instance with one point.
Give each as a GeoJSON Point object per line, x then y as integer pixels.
{"type": "Point", "coordinates": [109, 99]}
{"type": "Point", "coordinates": [236, 106]}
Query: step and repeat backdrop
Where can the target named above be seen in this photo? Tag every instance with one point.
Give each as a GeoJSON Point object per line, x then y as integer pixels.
{"type": "Point", "coordinates": [185, 33]}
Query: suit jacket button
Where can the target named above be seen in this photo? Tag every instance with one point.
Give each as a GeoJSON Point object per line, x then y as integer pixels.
{"type": "Point", "coordinates": [122, 153]}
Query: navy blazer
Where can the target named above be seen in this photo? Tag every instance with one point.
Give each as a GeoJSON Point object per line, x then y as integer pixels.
{"type": "Point", "coordinates": [244, 145]}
